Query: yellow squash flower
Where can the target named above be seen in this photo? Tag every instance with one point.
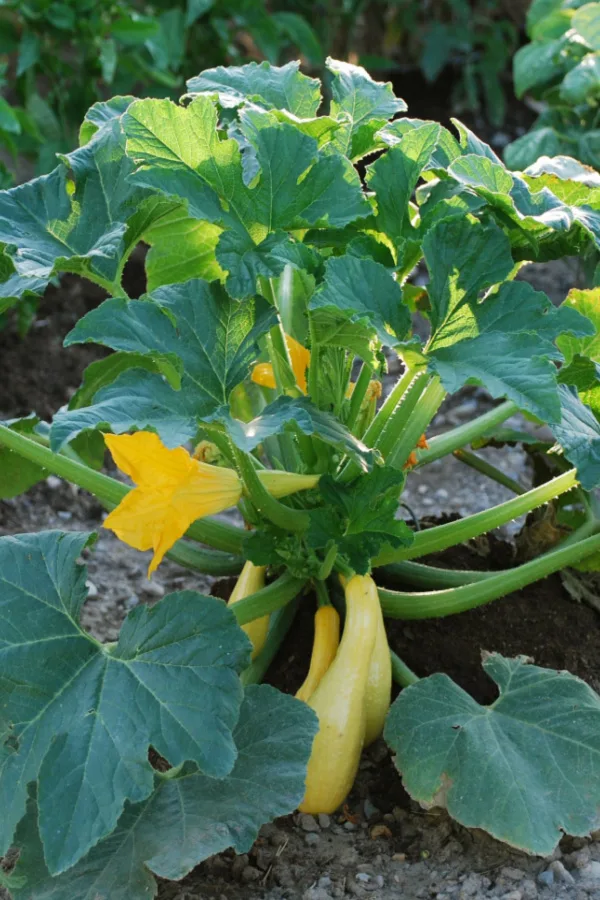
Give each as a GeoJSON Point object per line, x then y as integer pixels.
{"type": "Point", "coordinates": [263, 373]}
{"type": "Point", "coordinates": [172, 491]}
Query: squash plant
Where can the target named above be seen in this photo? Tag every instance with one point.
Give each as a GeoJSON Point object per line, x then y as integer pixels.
{"type": "Point", "coordinates": [250, 375]}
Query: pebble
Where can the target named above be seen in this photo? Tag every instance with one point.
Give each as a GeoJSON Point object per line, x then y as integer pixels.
{"type": "Point", "coordinates": [316, 893]}
{"type": "Point", "coordinates": [560, 873]}
{"type": "Point", "coordinates": [308, 822]}
{"type": "Point", "coordinates": [513, 895]}
{"type": "Point", "coordinates": [132, 601]}
{"type": "Point", "coordinates": [363, 877]}
{"type": "Point", "coordinates": [590, 873]}
{"type": "Point", "coordinates": [53, 482]}
{"type": "Point", "coordinates": [312, 839]}
{"type": "Point", "coordinates": [65, 515]}
{"type": "Point", "coordinates": [153, 589]}
{"type": "Point", "coordinates": [324, 820]}
{"type": "Point", "coordinates": [370, 810]}
{"type": "Point", "coordinates": [92, 590]}
{"type": "Point", "coordinates": [325, 881]}
{"type": "Point", "coordinates": [546, 878]}
{"type": "Point", "coordinates": [250, 874]}
{"type": "Point", "coordinates": [350, 826]}
{"type": "Point", "coordinates": [512, 874]}
{"type": "Point", "coordinates": [581, 857]}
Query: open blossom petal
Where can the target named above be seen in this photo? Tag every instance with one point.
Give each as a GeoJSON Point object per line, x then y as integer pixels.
{"type": "Point", "coordinates": [172, 490]}
{"type": "Point", "coordinates": [263, 373]}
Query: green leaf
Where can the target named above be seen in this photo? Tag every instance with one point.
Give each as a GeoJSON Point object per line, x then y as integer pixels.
{"type": "Point", "coordinates": [29, 52]}
{"type": "Point", "coordinates": [190, 817]}
{"type": "Point", "coordinates": [301, 34]}
{"type": "Point", "coordinates": [506, 343]}
{"type": "Point", "coordinates": [108, 60]}
{"type": "Point", "coordinates": [181, 248]}
{"type": "Point", "coordinates": [105, 371]}
{"type": "Point", "coordinates": [197, 8]}
{"type": "Point", "coordinates": [582, 84]}
{"type": "Point", "coordinates": [587, 22]}
{"type": "Point", "coordinates": [85, 715]}
{"type": "Point", "coordinates": [9, 120]}
{"type": "Point", "coordinates": [525, 769]}
{"type": "Point", "coordinates": [463, 257]}
{"type": "Point", "coordinates": [285, 413]}
{"type": "Point", "coordinates": [134, 29]}
{"type": "Point", "coordinates": [578, 433]}
{"type": "Point", "coordinates": [358, 305]}
{"type": "Point", "coordinates": [587, 303]}
{"type": "Point", "coordinates": [17, 474]}
{"type": "Point", "coordinates": [363, 105]}
{"type": "Point", "coordinates": [180, 153]}
{"type": "Point", "coordinates": [394, 177]}
{"type": "Point", "coordinates": [530, 147]}
{"type": "Point", "coordinates": [102, 114]}
{"type": "Point", "coordinates": [214, 337]}
{"type": "Point", "coordinates": [271, 87]}
{"type": "Point", "coordinates": [537, 64]}
{"type": "Point", "coordinates": [361, 517]}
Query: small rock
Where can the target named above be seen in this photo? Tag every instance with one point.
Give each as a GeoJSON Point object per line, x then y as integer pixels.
{"type": "Point", "coordinates": [312, 839]}
{"type": "Point", "coordinates": [370, 810]}
{"type": "Point", "coordinates": [250, 874]}
{"type": "Point", "coordinates": [239, 864]}
{"type": "Point", "coordinates": [512, 874]}
{"type": "Point", "coordinates": [442, 494]}
{"type": "Point", "coordinates": [560, 873]}
{"type": "Point", "coordinates": [53, 482]}
{"type": "Point", "coordinates": [546, 878]}
{"type": "Point", "coordinates": [581, 858]}
{"type": "Point", "coordinates": [590, 873]}
{"type": "Point", "coordinates": [316, 893]}
{"type": "Point", "coordinates": [470, 886]}
{"type": "Point", "coordinates": [92, 590]}
{"type": "Point", "coordinates": [513, 895]}
{"type": "Point", "coordinates": [379, 880]}
{"type": "Point", "coordinates": [324, 820]}
{"type": "Point", "coordinates": [363, 877]}
{"type": "Point", "coordinates": [350, 826]}
{"type": "Point", "coordinates": [153, 589]}
{"type": "Point", "coordinates": [325, 881]}
{"type": "Point", "coordinates": [399, 857]}
{"type": "Point", "coordinates": [529, 889]}
{"type": "Point", "coordinates": [380, 831]}
{"type": "Point", "coordinates": [308, 822]}
{"type": "Point", "coordinates": [65, 515]}
{"type": "Point", "coordinates": [132, 601]}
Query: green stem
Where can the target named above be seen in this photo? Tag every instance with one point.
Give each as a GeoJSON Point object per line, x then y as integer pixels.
{"type": "Point", "coordinates": [486, 468]}
{"type": "Point", "coordinates": [313, 368]}
{"type": "Point", "coordinates": [434, 604]}
{"type": "Point", "coordinates": [114, 288]}
{"type": "Point", "coordinates": [420, 575]}
{"type": "Point", "coordinates": [281, 515]}
{"type": "Point", "coordinates": [401, 674]}
{"type": "Point", "coordinates": [358, 395]}
{"type": "Point", "coordinates": [282, 364]}
{"type": "Point", "coordinates": [397, 422]}
{"type": "Point", "coordinates": [459, 437]}
{"type": "Point", "coordinates": [322, 593]}
{"type": "Point", "coordinates": [443, 536]}
{"type": "Point", "coordinates": [268, 599]}
{"type": "Point", "coordinates": [429, 403]}
{"type": "Point", "coordinates": [210, 562]}
{"type": "Point", "coordinates": [110, 491]}
{"type": "Point", "coordinates": [281, 621]}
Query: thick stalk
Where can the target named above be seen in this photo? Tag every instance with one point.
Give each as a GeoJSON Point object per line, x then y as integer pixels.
{"type": "Point", "coordinates": [486, 468]}
{"type": "Point", "coordinates": [358, 395]}
{"type": "Point", "coordinates": [284, 516]}
{"type": "Point", "coordinates": [420, 575]}
{"type": "Point", "coordinates": [434, 604]}
{"type": "Point", "coordinates": [110, 491]}
{"type": "Point", "coordinates": [210, 562]}
{"type": "Point", "coordinates": [281, 621]}
{"type": "Point", "coordinates": [401, 674]}
{"type": "Point", "coordinates": [459, 437]}
{"type": "Point", "coordinates": [429, 403]}
{"type": "Point", "coordinates": [443, 536]}
{"type": "Point", "coordinates": [274, 596]}
{"type": "Point", "coordinates": [398, 422]}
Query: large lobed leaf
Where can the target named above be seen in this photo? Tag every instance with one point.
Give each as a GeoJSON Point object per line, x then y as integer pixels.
{"type": "Point", "coordinates": [525, 769]}
{"type": "Point", "coordinates": [83, 716]}
{"type": "Point", "coordinates": [190, 817]}
{"type": "Point", "coordinates": [195, 327]}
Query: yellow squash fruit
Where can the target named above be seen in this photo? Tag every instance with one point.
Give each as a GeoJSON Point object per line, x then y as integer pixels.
{"type": "Point", "coordinates": [339, 702]}
{"type": "Point", "coordinates": [378, 694]}
{"type": "Point", "coordinates": [251, 580]}
{"type": "Point", "coordinates": [325, 645]}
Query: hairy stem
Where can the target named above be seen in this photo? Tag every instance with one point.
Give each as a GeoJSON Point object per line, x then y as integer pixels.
{"type": "Point", "coordinates": [443, 536]}
{"type": "Point", "coordinates": [452, 440]}
{"type": "Point", "coordinates": [486, 468]}
{"type": "Point", "coordinates": [434, 604]}
{"type": "Point", "coordinates": [284, 516]}
{"type": "Point", "coordinates": [358, 395]}
{"type": "Point", "coordinates": [401, 674]}
{"type": "Point", "coordinates": [429, 403]}
{"type": "Point", "coordinates": [274, 596]}
{"type": "Point", "coordinates": [420, 575]}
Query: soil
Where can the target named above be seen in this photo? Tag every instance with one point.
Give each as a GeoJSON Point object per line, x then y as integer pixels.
{"type": "Point", "coordinates": [383, 846]}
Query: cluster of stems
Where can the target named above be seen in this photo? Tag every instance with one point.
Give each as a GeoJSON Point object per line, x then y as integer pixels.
{"type": "Point", "coordinates": [393, 433]}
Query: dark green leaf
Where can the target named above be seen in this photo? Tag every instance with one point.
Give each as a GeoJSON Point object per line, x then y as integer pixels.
{"type": "Point", "coordinates": [579, 436]}
{"type": "Point", "coordinates": [102, 114]}
{"type": "Point", "coordinates": [17, 474]}
{"type": "Point", "coordinates": [282, 415]}
{"type": "Point", "coordinates": [363, 105]}
{"type": "Point", "coordinates": [197, 323]}
{"type": "Point", "coordinates": [272, 87]}
{"type": "Point", "coordinates": [190, 817]}
{"type": "Point", "coordinates": [84, 715]}
{"type": "Point", "coordinates": [526, 769]}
